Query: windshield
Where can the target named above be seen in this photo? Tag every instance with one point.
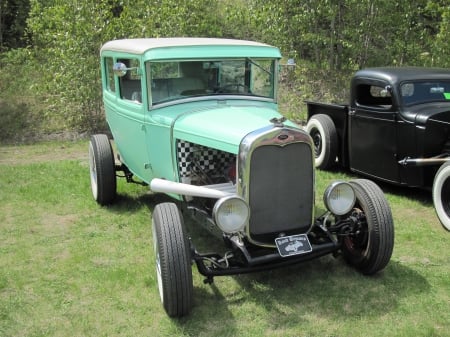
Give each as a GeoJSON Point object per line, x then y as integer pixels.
{"type": "Point", "coordinates": [173, 80]}
{"type": "Point", "coordinates": [425, 92]}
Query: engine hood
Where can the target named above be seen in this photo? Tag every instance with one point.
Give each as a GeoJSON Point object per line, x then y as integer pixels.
{"type": "Point", "coordinates": [223, 127]}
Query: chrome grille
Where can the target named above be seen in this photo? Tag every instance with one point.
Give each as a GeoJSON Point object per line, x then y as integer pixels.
{"type": "Point", "coordinates": [280, 190]}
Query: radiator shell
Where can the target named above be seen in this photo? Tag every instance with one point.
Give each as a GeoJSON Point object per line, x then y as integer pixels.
{"type": "Point", "coordinates": [276, 178]}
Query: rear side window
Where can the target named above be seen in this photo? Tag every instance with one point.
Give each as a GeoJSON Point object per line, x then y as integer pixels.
{"type": "Point", "coordinates": [373, 96]}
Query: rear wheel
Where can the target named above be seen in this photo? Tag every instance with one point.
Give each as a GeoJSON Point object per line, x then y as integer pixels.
{"type": "Point", "coordinates": [322, 130]}
{"type": "Point", "coordinates": [370, 248]}
{"type": "Point", "coordinates": [173, 267]}
{"type": "Point", "coordinates": [441, 194]}
{"type": "Point", "coordinates": [102, 169]}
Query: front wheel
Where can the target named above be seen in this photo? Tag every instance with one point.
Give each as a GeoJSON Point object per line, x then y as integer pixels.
{"type": "Point", "coordinates": [173, 268]}
{"type": "Point", "coordinates": [441, 194]}
{"type": "Point", "coordinates": [322, 130]}
{"type": "Point", "coordinates": [370, 248]}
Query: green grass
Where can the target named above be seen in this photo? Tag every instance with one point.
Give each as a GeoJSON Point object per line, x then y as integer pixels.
{"type": "Point", "coordinates": [71, 268]}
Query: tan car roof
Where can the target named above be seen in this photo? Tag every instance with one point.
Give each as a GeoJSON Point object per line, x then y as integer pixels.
{"type": "Point", "coordinates": [140, 46]}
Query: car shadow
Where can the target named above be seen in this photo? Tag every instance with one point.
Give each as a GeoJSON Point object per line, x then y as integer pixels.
{"type": "Point", "coordinates": [130, 203]}
{"type": "Point", "coordinates": [423, 196]}
{"type": "Point", "coordinates": [323, 287]}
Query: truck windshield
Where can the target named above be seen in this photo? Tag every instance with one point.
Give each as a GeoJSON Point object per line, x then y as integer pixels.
{"type": "Point", "coordinates": [173, 80]}
{"type": "Point", "coordinates": [413, 93]}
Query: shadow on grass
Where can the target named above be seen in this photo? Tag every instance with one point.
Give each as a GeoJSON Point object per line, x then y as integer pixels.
{"type": "Point", "coordinates": [131, 203]}
{"type": "Point", "coordinates": [423, 196]}
{"type": "Point", "coordinates": [328, 286]}
{"type": "Point", "coordinates": [290, 296]}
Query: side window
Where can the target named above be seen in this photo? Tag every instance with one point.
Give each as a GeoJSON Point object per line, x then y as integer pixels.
{"type": "Point", "coordinates": [110, 84]}
{"type": "Point", "coordinates": [130, 83]}
{"type": "Point", "coordinates": [373, 96]}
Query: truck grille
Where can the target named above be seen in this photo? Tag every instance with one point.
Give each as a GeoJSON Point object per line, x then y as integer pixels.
{"type": "Point", "coordinates": [280, 190]}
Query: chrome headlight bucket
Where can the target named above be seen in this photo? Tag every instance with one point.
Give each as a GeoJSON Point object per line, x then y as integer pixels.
{"type": "Point", "coordinates": [231, 214]}
{"type": "Point", "coordinates": [339, 198]}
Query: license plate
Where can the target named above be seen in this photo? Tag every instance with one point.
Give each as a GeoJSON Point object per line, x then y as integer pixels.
{"type": "Point", "coordinates": [293, 245]}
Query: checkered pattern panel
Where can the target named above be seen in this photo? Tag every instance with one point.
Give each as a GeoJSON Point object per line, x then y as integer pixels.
{"type": "Point", "coordinates": [210, 160]}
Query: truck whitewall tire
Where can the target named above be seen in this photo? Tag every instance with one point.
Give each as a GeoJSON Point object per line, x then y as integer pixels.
{"type": "Point", "coordinates": [322, 130]}
{"type": "Point", "coordinates": [441, 195]}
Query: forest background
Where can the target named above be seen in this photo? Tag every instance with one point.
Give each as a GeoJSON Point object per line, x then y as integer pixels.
{"type": "Point", "coordinates": [49, 49]}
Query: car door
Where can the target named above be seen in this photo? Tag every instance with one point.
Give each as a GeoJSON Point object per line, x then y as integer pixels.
{"type": "Point", "coordinates": [372, 131]}
{"type": "Point", "coordinates": [125, 113]}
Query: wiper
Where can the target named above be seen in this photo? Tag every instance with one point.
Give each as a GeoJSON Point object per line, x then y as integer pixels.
{"type": "Point", "coordinates": [259, 66]}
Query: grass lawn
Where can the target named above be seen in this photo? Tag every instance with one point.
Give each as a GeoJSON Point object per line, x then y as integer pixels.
{"type": "Point", "coordinates": [71, 268]}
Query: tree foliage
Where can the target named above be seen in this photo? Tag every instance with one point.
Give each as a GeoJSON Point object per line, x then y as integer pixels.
{"type": "Point", "coordinates": [13, 16]}
{"type": "Point", "coordinates": [67, 36]}
{"type": "Point", "coordinates": [351, 34]}
{"type": "Point", "coordinates": [328, 38]}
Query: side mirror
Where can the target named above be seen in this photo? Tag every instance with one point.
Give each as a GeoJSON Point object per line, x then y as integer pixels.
{"type": "Point", "coordinates": [120, 69]}
{"type": "Point", "coordinates": [290, 64]}
{"type": "Point", "coordinates": [387, 91]}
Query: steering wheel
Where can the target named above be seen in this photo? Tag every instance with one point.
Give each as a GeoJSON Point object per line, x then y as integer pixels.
{"type": "Point", "coordinates": [238, 88]}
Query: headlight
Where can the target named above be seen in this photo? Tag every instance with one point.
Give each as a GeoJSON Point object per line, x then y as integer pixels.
{"type": "Point", "coordinates": [231, 214]}
{"type": "Point", "coordinates": [339, 198]}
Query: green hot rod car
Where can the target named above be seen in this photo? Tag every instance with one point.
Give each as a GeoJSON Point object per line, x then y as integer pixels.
{"type": "Point", "coordinates": [197, 119]}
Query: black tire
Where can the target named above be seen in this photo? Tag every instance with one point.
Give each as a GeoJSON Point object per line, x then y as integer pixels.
{"type": "Point", "coordinates": [441, 195]}
{"type": "Point", "coordinates": [322, 130]}
{"type": "Point", "coordinates": [102, 170]}
{"type": "Point", "coordinates": [173, 260]}
{"type": "Point", "coordinates": [371, 249]}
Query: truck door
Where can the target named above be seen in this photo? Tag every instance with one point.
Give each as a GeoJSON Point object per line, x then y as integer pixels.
{"type": "Point", "coordinates": [372, 131]}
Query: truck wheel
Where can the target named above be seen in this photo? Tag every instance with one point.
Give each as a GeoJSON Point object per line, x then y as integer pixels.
{"type": "Point", "coordinates": [173, 268]}
{"type": "Point", "coordinates": [369, 249]}
{"type": "Point", "coordinates": [441, 194]}
{"type": "Point", "coordinates": [323, 132]}
{"type": "Point", "coordinates": [102, 169]}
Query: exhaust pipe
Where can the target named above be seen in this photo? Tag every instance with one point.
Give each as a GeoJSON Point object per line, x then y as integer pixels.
{"type": "Point", "coordinates": [166, 186]}
{"type": "Point", "coordinates": [423, 161]}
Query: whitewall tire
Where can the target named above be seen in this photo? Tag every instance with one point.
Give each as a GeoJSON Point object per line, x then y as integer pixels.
{"type": "Point", "coordinates": [441, 195]}
{"type": "Point", "coordinates": [322, 130]}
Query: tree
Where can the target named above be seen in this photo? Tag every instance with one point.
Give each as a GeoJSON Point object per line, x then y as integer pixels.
{"type": "Point", "coordinates": [67, 36]}
{"type": "Point", "coordinates": [13, 15]}
{"type": "Point", "coordinates": [438, 13]}
{"type": "Point", "coordinates": [350, 34]}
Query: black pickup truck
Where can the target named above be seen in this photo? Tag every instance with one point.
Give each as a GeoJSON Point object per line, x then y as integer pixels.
{"type": "Point", "coordinates": [396, 129]}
